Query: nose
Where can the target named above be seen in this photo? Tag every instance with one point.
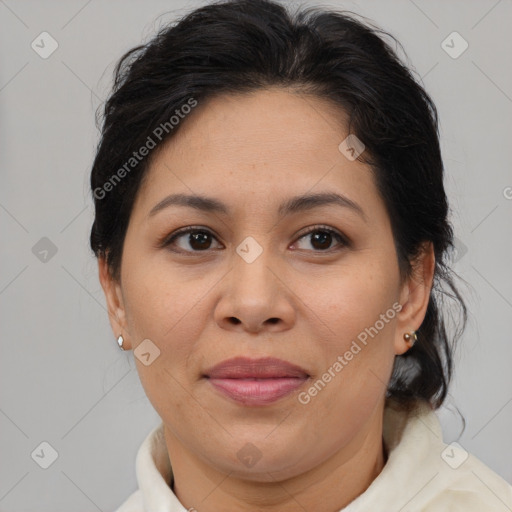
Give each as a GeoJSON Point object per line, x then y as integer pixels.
{"type": "Point", "coordinates": [255, 297]}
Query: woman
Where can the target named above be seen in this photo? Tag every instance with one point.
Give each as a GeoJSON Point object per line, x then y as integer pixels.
{"type": "Point", "coordinates": [272, 239]}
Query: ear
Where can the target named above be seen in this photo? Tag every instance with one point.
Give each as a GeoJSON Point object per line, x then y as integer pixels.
{"type": "Point", "coordinates": [115, 303]}
{"type": "Point", "coordinates": [414, 296]}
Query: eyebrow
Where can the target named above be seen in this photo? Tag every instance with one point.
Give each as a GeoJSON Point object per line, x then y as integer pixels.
{"type": "Point", "coordinates": [292, 205]}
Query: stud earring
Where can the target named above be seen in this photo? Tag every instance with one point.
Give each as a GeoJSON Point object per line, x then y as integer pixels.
{"type": "Point", "coordinates": [410, 338]}
{"type": "Point", "coordinates": [120, 341]}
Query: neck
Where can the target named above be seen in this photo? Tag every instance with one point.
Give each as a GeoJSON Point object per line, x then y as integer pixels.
{"type": "Point", "coordinates": [331, 485]}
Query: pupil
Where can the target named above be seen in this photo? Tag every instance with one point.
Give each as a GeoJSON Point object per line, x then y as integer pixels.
{"type": "Point", "coordinates": [324, 239]}
{"type": "Point", "coordinates": [200, 238]}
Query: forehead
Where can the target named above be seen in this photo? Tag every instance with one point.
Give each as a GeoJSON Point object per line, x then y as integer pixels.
{"type": "Point", "coordinates": [279, 119]}
{"type": "Point", "coordinates": [263, 144]}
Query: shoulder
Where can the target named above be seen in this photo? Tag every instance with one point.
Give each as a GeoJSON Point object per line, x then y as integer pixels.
{"type": "Point", "coordinates": [454, 478]}
{"type": "Point", "coordinates": [465, 482]}
{"type": "Point", "coordinates": [134, 503]}
{"type": "Point", "coordinates": [425, 474]}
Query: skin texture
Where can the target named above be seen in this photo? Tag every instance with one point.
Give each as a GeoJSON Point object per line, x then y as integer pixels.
{"type": "Point", "coordinates": [299, 300]}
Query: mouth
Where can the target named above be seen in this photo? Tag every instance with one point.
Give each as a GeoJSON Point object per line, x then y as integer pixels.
{"type": "Point", "coordinates": [255, 382]}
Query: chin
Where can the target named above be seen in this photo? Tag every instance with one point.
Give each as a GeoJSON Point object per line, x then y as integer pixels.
{"type": "Point", "coordinates": [262, 460]}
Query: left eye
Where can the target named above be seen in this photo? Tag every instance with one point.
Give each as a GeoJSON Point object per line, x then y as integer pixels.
{"type": "Point", "coordinates": [322, 238]}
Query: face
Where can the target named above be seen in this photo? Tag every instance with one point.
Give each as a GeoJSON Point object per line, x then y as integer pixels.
{"type": "Point", "coordinates": [312, 283]}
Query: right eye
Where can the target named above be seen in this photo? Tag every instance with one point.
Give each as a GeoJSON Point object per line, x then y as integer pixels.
{"type": "Point", "coordinates": [197, 238]}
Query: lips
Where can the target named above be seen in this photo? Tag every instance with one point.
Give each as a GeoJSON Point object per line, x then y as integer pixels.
{"type": "Point", "coordinates": [256, 381]}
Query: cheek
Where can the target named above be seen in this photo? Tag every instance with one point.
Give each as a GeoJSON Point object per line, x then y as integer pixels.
{"type": "Point", "coordinates": [353, 298]}
{"type": "Point", "coordinates": [163, 300]}
{"type": "Point", "coordinates": [357, 309]}
{"type": "Point", "coordinates": [164, 310]}
{"type": "Point", "coordinates": [170, 309]}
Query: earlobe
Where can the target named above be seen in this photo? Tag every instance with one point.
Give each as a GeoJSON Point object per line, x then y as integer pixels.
{"type": "Point", "coordinates": [115, 305]}
{"type": "Point", "coordinates": [414, 299]}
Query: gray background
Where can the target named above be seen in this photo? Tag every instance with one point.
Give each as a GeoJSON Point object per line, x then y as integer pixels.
{"type": "Point", "coordinates": [63, 379]}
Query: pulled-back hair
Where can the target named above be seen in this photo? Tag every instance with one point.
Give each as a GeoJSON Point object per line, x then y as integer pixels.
{"type": "Point", "coordinates": [239, 46]}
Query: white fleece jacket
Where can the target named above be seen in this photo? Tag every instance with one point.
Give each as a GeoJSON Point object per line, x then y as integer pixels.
{"type": "Point", "coordinates": [422, 473]}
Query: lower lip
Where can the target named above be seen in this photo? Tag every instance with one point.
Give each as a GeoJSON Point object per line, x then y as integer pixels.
{"type": "Point", "coordinates": [257, 391]}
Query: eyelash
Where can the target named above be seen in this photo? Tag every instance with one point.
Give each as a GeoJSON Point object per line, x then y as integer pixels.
{"type": "Point", "coordinates": [167, 241]}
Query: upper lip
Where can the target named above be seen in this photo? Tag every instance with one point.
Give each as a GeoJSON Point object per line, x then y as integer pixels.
{"type": "Point", "coordinates": [265, 367]}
